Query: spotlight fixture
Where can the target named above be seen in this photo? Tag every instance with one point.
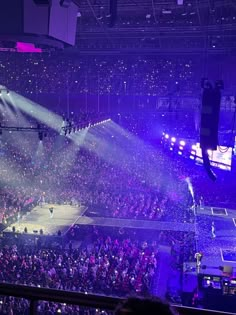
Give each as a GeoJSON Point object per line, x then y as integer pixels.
{"type": "Point", "coordinates": [40, 133]}
{"type": "Point", "coordinates": [65, 3]}
{"type": "Point", "coordinates": [205, 83]}
{"type": "Point", "coordinates": [219, 84]}
{"type": "Point", "coordinates": [3, 88]}
{"type": "Point", "coordinates": [69, 126]}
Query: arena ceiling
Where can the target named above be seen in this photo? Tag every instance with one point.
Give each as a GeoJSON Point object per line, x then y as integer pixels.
{"type": "Point", "coordinates": [154, 26]}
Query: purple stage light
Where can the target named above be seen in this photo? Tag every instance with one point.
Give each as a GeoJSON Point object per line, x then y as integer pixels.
{"type": "Point", "coordinates": [173, 139]}
{"type": "Point", "coordinates": [194, 147]}
{"type": "Point", "coordinates": [27, 47]}
{"type": "Point", "coordinates": [180, 147]}
{"type": "Point", "coordinates": [192, 157]}
{"type": "Point", "coordinates": [167, 136]}
{"type": "Point", "coordinates": [182, 142]}
{"type": "Point", "coordinates": [180, 152]}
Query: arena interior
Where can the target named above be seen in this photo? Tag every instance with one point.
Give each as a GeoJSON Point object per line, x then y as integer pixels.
{"type": "Point", "coordinates": [117, 153]}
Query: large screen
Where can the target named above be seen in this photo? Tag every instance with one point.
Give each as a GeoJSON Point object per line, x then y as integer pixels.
{"type": "Point", "coordinates": [214, 281]}
{"type": "Point", "coordinates": [221, 158]}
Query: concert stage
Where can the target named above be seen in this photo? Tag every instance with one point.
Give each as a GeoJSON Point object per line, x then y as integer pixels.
{"type": "Point", "coordinates": [218, 264]}
{"type": "Point", "coordinates": [219, 253]}
{"type": "Point", "coordinates": [221, 250]}
{"type": "Point", "coordinates": [39, 218]}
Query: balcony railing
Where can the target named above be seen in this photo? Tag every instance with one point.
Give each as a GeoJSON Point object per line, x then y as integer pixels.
{"type": "Point", "coordinates": [35, 294]}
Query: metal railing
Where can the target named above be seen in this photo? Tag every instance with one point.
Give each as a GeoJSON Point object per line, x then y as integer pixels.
{"type": "Point", "coordinates": [35, 294]}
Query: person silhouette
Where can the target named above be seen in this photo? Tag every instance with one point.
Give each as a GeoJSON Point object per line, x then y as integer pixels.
{"type": "Point", "coordinates": [213, 229]}
{"type": "Point", "coordinates": [144, 306]}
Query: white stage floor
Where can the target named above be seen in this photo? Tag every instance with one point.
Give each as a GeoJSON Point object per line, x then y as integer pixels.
{"type": "Point", "coordinates": [39, 218]}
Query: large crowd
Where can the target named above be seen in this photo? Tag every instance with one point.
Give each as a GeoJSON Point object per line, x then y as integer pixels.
{"type": "Point", "coordinates": [62, 73]}
{"type": "Point", "coordinates": [123, 75]}
{"type": "Point", "coordinates": [109, 266]}
{"type": "Point", "coordinates": [111, 263]}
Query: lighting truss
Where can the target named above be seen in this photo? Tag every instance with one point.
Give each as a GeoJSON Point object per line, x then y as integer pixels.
{"type": "Point", "coordinates": [42, 132]}
{"type": "Point", "coordinates": [69, 127]}
{"type": "Point", "coordinates": [26, 129]}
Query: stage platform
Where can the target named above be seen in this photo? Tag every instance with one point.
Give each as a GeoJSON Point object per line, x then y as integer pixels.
{"type": "Point", "coordinates": [221, 250]}
{"type": "Point", "coordinates": [39, 218]}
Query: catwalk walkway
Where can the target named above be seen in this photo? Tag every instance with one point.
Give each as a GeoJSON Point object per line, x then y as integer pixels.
{"type": "Point", "coordinates": [137, 224]}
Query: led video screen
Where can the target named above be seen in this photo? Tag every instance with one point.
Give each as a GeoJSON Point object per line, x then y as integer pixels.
{"type": "Point", "coordinates": [221, 158]}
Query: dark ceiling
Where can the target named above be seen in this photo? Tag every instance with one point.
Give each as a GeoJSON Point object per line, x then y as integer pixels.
{"type": "Point", "coordinates": [154, 26]}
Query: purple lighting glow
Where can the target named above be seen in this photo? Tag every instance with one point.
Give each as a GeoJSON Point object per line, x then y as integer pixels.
{"type": "Point", "coordinates": [27, 47]}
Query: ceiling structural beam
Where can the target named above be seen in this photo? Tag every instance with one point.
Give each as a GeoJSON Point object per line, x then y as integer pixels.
{"type": "Point", "coordinates": [199, 14]}
{"type": "Point", "coordinates": [113, 12]}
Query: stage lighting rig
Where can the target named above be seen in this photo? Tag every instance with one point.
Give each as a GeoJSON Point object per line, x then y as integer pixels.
{"type": "Point", "coordinates": [3, 89]}
{"type": "Point", "coordinates": [67, 127]}
{"type": "Point", "coordinates": [219, 84]}
{"type": "Point", "coordinates": [205, 83]}
{"type": "Point", "coordinates": [42, 132]}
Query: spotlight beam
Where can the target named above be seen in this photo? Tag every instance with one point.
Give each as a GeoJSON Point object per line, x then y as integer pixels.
{"type": "Point", "coordinates": [37, 111]}
{"type": "Point", "coordinates": [129, 153]}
